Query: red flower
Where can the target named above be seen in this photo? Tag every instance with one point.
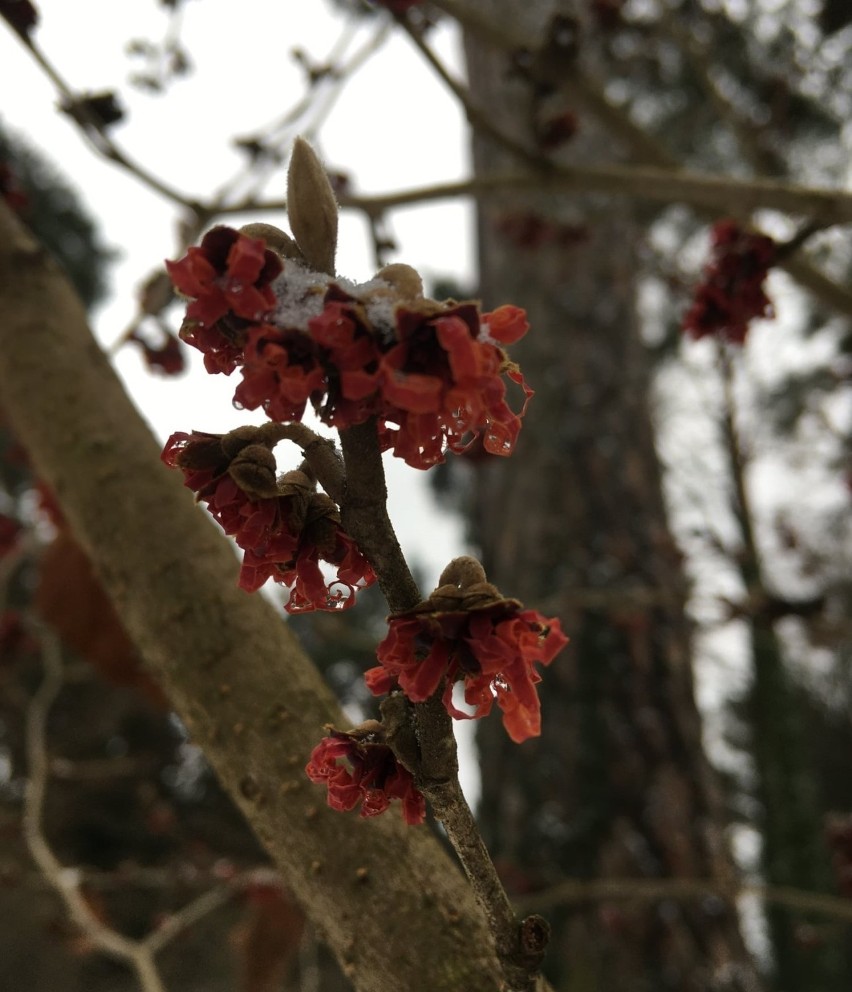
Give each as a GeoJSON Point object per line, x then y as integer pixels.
{"type": "Point", "coordinates": [280, 371]}
{"type": "Point", "coordinates": [167, 359]}
{"type": "Point", "coordinates": [262, 527]}
{"type": "Point", "coordinates": [350, 355]}
{"type": "Point", "coordinates": [373, 779]}
{"type": "Point", "coordinates": [442, 382]}
{"type": "Point", "coordinates": [228, 276]}
{"type": "Point", "coordinates": [492, 650]}
{"type": "Point", "coordinates": [435, 375]}
{"type": "Point", "coordinates": [731, 293]}
{"type": "Point", "coordinates": [323, 539]}
{"type": "Point", "coordinates": [284, 535]}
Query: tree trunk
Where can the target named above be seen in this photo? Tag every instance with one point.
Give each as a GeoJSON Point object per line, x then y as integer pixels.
{"type": "Point", "coordinates": [387, 899]}
{"type": "Point", "coordinates": [574, 524]}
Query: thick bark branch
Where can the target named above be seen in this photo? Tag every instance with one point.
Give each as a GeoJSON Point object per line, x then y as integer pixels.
{"type": "Point", "coordinates": [231, 668]}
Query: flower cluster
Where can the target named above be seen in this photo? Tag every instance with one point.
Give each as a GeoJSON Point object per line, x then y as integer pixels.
{"type": "Point", "coordinates": [466, 631]}
{"type": "Point", "coordinates": [731, 292]}
{"type": "Point", "coordinates": [374, 776]}
{"type": "Point", "coordinates": [228, 277]}
{"type": "Point", "coordinates": [165, 359]}
{"type": "Point", "coordinates": [283, 526]}
{"type": "Point", "coordinates": [434, 375]}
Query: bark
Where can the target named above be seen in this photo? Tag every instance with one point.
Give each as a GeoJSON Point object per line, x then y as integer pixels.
{"type": "Point", "coordinates": [387, 899]}
{"type": "Point", "coordinates": [575, 524]}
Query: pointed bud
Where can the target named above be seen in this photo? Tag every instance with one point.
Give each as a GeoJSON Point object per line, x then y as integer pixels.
{"type": "Point", "coordinates": [312, 208]}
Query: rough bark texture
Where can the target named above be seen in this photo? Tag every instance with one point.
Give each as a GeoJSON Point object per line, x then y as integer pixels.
{"type": "Point", "coordinates": [574, 524]}
{"type": "Point", "coordinates": [232, 670]}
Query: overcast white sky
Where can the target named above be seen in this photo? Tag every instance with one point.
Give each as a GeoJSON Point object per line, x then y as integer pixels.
{"type": "Point", "coordinates": [393, 127]}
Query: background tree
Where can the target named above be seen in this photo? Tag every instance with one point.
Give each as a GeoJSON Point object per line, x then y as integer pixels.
{"type": "Point", "coordinates": [616, 801]}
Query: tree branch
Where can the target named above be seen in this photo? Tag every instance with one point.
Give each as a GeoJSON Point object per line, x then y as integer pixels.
{"type": "Point", "coordinates": [573, 891]}
{"type": "Point", "coordinates": [63, 880]}
{"type": "Point", "coordinates": [231, 668]}
{"type": "Point", "coordinates": [719, 193]}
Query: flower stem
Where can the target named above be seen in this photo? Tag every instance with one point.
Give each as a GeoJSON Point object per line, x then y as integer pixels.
{"type": "Point", "coordinates": [519, 945]}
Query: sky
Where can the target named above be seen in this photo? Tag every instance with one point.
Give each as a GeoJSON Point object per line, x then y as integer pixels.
{"type": "Point", "coordinates": [392, 127]}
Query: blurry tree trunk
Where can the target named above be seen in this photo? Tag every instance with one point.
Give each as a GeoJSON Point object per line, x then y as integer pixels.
{"type": "Point", "coordinates": [574, 524]}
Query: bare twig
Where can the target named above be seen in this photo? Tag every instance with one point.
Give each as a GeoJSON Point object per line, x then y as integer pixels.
{"type": "Point", "coordinates": [573, 891]}
{"type": "Point", "coordinates": [478, 120]}
{"type": "Point", "coordinates": [64, 880]}
{"type": "Point", "coordinates": [825, 207]}
{"type": "Point", "coordinates": [720, 193]}
{"type": "Point", "coordinates": [139, 955]}
{"type": "Point", "coordinates": [94, 132]}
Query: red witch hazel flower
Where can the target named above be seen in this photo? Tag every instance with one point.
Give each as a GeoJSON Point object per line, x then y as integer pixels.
{"type": "Point", "coordinates": [731, 292]}
{"type": "Point", "coordinates": [466, 631]}
{"type": "Point", "coordinates": [228, 277]}
{"type": "Point", "coordinates": [374, 776]}
{"type": "Point", "coordinates": [434, 375]}
{"type": "Point", "coordinates": [442, 381]}
{"type": "Point", "coordinates": [284, 527]}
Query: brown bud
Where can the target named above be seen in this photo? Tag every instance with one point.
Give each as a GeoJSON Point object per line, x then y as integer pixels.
{"type": "Point", "coordinates": [312, 208]}
{"type": "Point", "coordinates": [276, 239]}
{"type": "Point", "coordinates": [462, 572]}
{"type": "Point", "coordinates": [253, 470]}
{"type": "Point", "coordinates": [405, 280]}
{"type": "Point", "coordinates": [234, 441]}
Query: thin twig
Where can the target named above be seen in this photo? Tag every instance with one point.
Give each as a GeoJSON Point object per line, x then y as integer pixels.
{"type": "Point", "coordinates": [94, 132]}
{"type": "Point", "coordinates": [188, 915]}
{"type": "Point", "coordinates": [477, 119]}
{"type": "Point", "coordinates": [573, 891]}
{"type": "Point", "coordinates": [140, 955]}
{"type": "Point", "coordinates": [826, 207]}
{"type": "Point", "coordinates": [62, 879]}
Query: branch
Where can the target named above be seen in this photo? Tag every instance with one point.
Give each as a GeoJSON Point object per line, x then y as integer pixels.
{"type": "Point", "coordinates": [619, 123]}
{"type": "Point", "coordinates": [478, 120]}
{"type": "Point", "coordinates": [703, 190]}
{"type": "Point", "coordinates": [63, 880]}
{"type": "Point", "coordinates": [233, 671]}
{"type": "Point", "coordinates": [573, 891]}
{"type": "Point", "coordinates": [95, 134]}
{"type": "Point", "coordinates": [519, 945]}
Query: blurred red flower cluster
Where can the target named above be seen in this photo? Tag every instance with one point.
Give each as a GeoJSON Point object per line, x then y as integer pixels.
{"type": "Point", "coordinates": [731, 294]}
